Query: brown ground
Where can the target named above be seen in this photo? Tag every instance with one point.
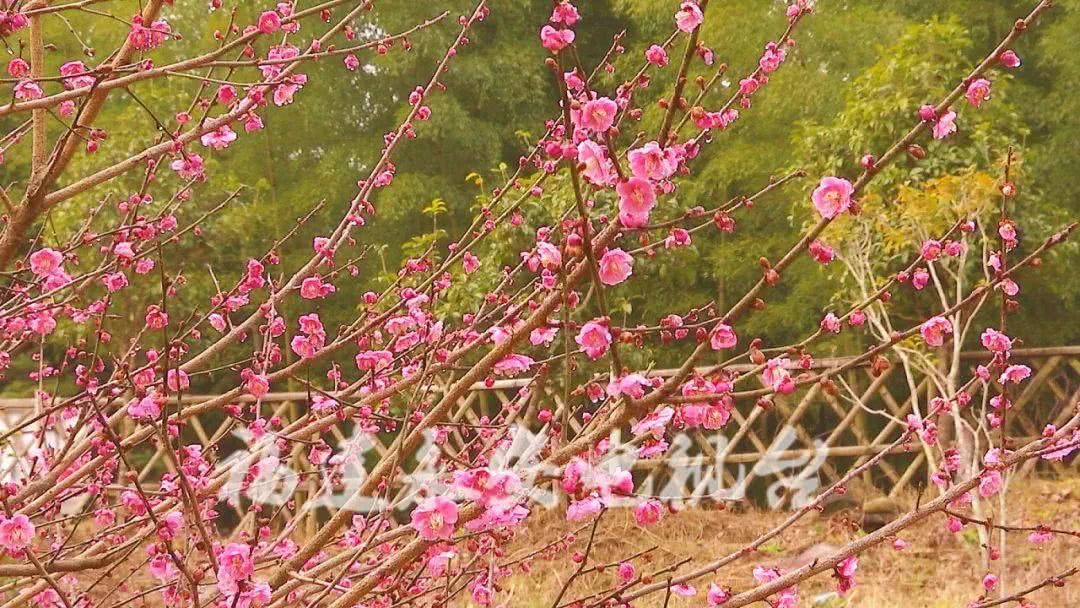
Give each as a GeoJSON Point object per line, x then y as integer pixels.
{"type": "Point", "coordinates": [936, 570]}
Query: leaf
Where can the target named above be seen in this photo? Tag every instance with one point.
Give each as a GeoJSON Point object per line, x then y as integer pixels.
{"type": "Point", "coordinates": [475, 178]}
{"type": "Point", "coordinates": [436, 207]}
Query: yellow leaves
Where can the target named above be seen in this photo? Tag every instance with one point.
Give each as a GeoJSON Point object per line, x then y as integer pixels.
{"type": "Point", "coordinates": [476, 179]}
{"type": "Point", "coordinates": [942, 200]}
{"type": "Point", "coordinates": [897, 224]}
{"type": "Point", "coordinates": [437, 207]}
{"type": "Point", "coordinates": [892, 227]}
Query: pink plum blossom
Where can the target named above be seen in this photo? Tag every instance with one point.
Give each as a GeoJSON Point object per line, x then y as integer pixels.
{"type": "Point", "coordinates": [594, 338]}
{"type": "Point", "coordinates": [654, 424]}
{"type": "Point", "coordinates": [156, 318]}
{"type": "Point", "coordinates": [219, 139]}
{"type": "Point", "coordinates": [716, 595]}
{"type": "Point", "coordinates": [435, 518]}
{"type": "Point", "coordinates": [583, 509]}
{"type": "Point", "coordinates": [470, 263]}
{"type": "Point", "coordinates": [374, 360]}
{"type": "Point", "coordinates": [597, 166]}
{"type": "Point", "coordinates": [832, 197]}
{"type": "Point", "coordinates": [920, 278]}
{"type": "Point", "coordinates": [189, 167]}
{"type": "Point", "coordinates": [978, 91]}
{"type": "Point", "coordinates": [945, 125]}
{"type": "Point", "coordinates": [542, 335]}
{"type": "Point", "coordinates": [313, 288]}
{"type": "Point", "coordinates": [548, 255]}
{"type": "Point", "coordinates": [831, 323]}
{"type": "Point", "coordinates": [656, 55]}
{"type": "Point", "coordinates": [565, 12]}
{"type": "Point", "coordinates": [935, 329]}
{"type": "Point", "coordinates": [930, 250]}
{"type": "Point", "coordinates": [653, 162]}
{"type": "Point", "coordinates": [636, 196]}
{"type": "Point", "coordinates": [990, 483]}
{"type": "Point", "coordinates": [77, 76]}
{"type": "Point", "coordinates": [777, 377]}
{"type": "Point", "coordinates": [749, 86]}
{"type": "Point", "coordinates": [145, 38]}
{"type": "Point", "coordinates": [1009, 59]}
{"type": "Point", "coordinates": [689, 16]}
{"type": "Point", "coordinates": [787, 598]}
{"type": "Point", "coordinates": [28, 89]}
{"type": "Point", "coordinates": [145, 408]}
{"type": "Point", "coordinates": [257, 385]}
{"type": "Point", "coordinates": [683, 590]}
{"type": "Point", "coordinates": [163, 568]}
{"type": "Point", "coordinates": [845, 574]}
{"type": "Point", "coordinates": [679, 237]}
{"type": "Point", "coordinates": [821, 252]}
{"type": "Point", "coordinates": [723, 337]}
{"type": "Point", "coordinates": [235, 566]}
{"type": "Point", "coordinates": [513, 365]}
{"type": "Point", "coordinates": [177, 380]}
{"type": "Point", "coordinates": [16, 532]}
{"type": "Point", "coordinates": [556, 40]}
{"type": "Point", "coordinates": [1040, 537]}
{"type": "Point", "coordinates": [115, 281]}
{"type": "Point", "coordinates": [269, 22]}
{"type": "Point", "coordinates": [648, 512]}
{"type": "Point", "coordinates": [615, 266]}
{"type": "Point", "coordinates": [771, 59]}
{"type": "Point", "coordinates": [44, 262]}
{"type": "Point", "coordinates": [631, 385]}
{"type": "Point", "coordinates": [995, 341]}
{"type": "Point", "coordinates": [597, 114]}
{"type": "Point", "coordinates": [1015, 374]}
{"type": "Point", "coordinates": [18, 68]}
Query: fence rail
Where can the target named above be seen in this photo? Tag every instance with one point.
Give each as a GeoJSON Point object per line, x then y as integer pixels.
{"type": "Point", "coordinates": [804, 440]}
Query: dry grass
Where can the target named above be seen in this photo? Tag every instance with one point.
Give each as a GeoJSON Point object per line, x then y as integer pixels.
{"type": "Point", "coordinates": [937, 569]}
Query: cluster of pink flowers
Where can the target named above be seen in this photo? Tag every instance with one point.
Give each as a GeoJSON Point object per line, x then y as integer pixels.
{"type": "Point", "coordinates": [145, 37]}
{"type": "Point", "coordinates": [711, 415]}
{"type": "Point", "coordinates": [844, 572]}
{"type": "Point", "coordinates": [408, 339]}
{"type": "Point", "coordinates": [771, 58]}
{"type": "Point", "coordinates": [234, 578]}
{"type": "Point", "coordinates": [777, 375]}
{"type": "Point", "coordinates": [12, 21]}
{"type": "Point", "coordinates": [787, 598]}
{"type": "Point", "coordinates": [593, 488]}
{"type": "Point", "coordinates": [48, 264]}
{"type": "Point", "coordinates": [556, 39]}
{"type": "Point", "coordinates": [16, 533]}
{"type": "Point", "coordinates": [77, 75]}
{"type": "Point", "coordinates": [189, 166]}
{"type": "Point", "coordinates": [312, 336]}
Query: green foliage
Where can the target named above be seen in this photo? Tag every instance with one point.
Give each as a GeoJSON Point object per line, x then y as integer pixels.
{"type": "Point", "coordinates": [852, 84]}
